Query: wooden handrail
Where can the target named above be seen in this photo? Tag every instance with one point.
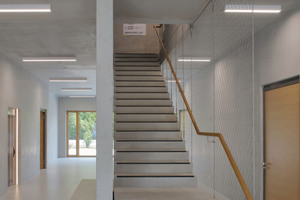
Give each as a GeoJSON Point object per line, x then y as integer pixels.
{"type": "Point", "coordinates": [219, 135]}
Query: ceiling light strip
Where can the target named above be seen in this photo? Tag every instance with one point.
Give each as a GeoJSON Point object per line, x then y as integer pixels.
{"type": "Point", "coordinates": [24, 8]}
{"type": "Point", "coordinates": [194, 59]}
{"type": "Point", "coordinates": [76, 89]}
{"type": "Point", "coordinates": [82, 96]}
{"type": "Point", "coordinates": [67, 80]}
{"type": "Point", "coordinates": [49, 59]}
{"type": "Point", "coordinates": [253, 8]}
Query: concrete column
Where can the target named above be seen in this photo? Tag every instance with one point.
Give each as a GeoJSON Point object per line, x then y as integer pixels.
{"type": "Point", "coordinates": [105, 92]}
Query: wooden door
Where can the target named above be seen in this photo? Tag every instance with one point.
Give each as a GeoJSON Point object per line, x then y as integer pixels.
{"type": "Point", "coordinates": [282, 165]}
{"type": "Point", "coordinates": [42, 140]}
{"type": "Point", "coordinates": [11, 147]}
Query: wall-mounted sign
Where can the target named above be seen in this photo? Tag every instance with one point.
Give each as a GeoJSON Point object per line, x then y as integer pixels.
{"type": "Point", "coordinates": [134, 29]}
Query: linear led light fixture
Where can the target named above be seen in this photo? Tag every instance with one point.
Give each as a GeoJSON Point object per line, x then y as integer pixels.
{"type": "Point", "coordinates": [25, 8]}
{"type": "Point", "coordinates": [253, 8]}
{"type": "Point", "coordinates": [82, 96]}
{"type": "Point", "coordinates": [49, 59]}
{"type": "Point", "coordinates": [67, 80]}
{"type": "Point", "coordinates": [194, 59]}
{"type": "Point", "coordinates": [76, 89]}
{"type": "Point", "coordinates": [173, 81]}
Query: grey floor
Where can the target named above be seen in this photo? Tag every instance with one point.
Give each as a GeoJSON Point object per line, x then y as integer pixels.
{"type": "Point", "coordinates": [71, 178]}
{"type": "Point", "coordinates": [58, 182]}
{"type": "Point", "coordinates": [174, 193]}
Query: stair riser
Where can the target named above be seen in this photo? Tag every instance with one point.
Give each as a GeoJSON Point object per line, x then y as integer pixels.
{"type": "Point", "coordinates": [147, 127]}
{"type": "Point", "coordinates": [140, 64]}
{"type": "Point", "coordinates": [153, 156]}
{"type": "Point", "coordinates": [148, 135]}
{"type": "Point", "coordinates": [150, 145]}
{"type": "Point", "coordinates": [138, 73]}
{"type": "Point", "coordinates": [141, 89]}
{"type": "Point", "coordinates": [156, 182]}
{"type": "Point", "coordinates": [135, 55]}
{"type": "Point", "coordinates": [140, 84]}
{"type": "Point", "coordinates": [133, 96]}
{"type": "Point", "coordinates": [137, 103]}
{"type": "Point", "coordinates": [137, 69]}
{"type": "Point", "coordinates": [146, 110]}
{"type": "Point", "coordinates": [136, 59]}
{"type": "Point", "coordinates": [153, 168]}
{"type": "Point", "coordinates": [139, 78]}
{"type": "Point", "coordinates": [145, 118]}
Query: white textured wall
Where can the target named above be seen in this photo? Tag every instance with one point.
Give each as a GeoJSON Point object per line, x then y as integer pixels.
{"type": "Point", "coordinates": [226, 95]}
{"type": "Point", "coordinates": [20, 89]}
{"type": "Point", "coordinates": [70, 104]}
{"type": "Point", "coordinates": [277, 57]}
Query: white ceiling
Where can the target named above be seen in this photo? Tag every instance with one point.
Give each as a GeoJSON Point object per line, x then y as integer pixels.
{"type": "Point", "coordinates": [70, 30]}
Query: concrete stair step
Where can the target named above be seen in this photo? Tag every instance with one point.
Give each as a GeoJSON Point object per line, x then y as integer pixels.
{"type": "Point", "coordinates": [152, 156]}
{"type": "Point", "coordinates": [143, 103]}
{"type": "Point", "coordinates": [138, 167]}
{"type": "Point", "coordinates": [138, 73]}
{"type": "Point", "coordinates": [140, 84]}
{"type": "Point", "coordinates": [135, 55]}
{"type": "Point", "coordinates": [141, 89]}
{"type": "Point", "coordinates": [146, 118]}
{"type": "Point", "coordinates": [139, 64]}
{"type": "Point", "coordinates": [148, 135]}
{"type": "Point", "coordinates": [144, 110]}
{"type": "Point", "coordinates": [134, 59]}
{"type": "Point", "coordinates": [170, 146]}
{"type": "Point", "coordinates": [155, 180]}
{"type": "Point", "coordinates": [139, 96]}
{"type": "Point", "coordinates": [131, 126]}
{"type": "Point", "coordinates": [139, 78]}
{"type": "Point", "coordinates": [137, 69]}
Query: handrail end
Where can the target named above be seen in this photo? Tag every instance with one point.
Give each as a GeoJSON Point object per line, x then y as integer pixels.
{"type": "Point", "coordinates": [158, 26]}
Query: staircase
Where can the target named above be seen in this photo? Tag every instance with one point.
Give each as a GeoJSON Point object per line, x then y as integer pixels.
{"type": "Point", "coordinates": [149, 149]}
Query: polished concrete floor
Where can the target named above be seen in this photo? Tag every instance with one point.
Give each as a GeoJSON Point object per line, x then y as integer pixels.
{"type": "Point", "coordinates": [57, 182]}
{"type": "Point", "coordinates": [72, 178]}
{"type": "Point", "coordinates": [167, 193]}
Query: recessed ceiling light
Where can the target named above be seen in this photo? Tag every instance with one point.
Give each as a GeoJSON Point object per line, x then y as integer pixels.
{"type": "Point", "coordinates": [76, 89]}
{"type": "Point", "coordinates": [173, 81]}
{"type": "Point", "coordinates": [24, 8]}
{"type": "Point", "coordinates": [49, 59]}
{"type": "Point", "coordinates": [193, 59]}
{"type": "Point", "coordinates": [252, 8]}
{"type": "Point", "coordinates": [82, 96]}
{"type": "Point", "coordinates": [67, 80]}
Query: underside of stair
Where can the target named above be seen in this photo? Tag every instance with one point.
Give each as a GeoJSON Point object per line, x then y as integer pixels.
{"type": "Point", "coordinates": [149, 149]}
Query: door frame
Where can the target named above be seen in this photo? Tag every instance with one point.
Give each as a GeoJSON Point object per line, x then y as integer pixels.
{"type": "Point", "coordinates": [17, 144]}
{"type": "Point", "coordinates": [268, 87]}
{"type": "Point", "coordinates": [44, 111]}
{"type": "Point", "coordinates": [77, 133]}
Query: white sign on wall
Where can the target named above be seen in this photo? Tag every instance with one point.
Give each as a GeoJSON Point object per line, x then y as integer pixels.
{"type": "Point", "coordinates": [134, 29]}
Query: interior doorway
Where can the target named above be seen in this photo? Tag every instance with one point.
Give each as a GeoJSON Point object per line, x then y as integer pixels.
{"type": "Point", "coordinates": [282, 140]}
{"type": "Point", "coordinates": [13, 146]}
{"type": "Point", "coordinates": [81, 133]}
{"type": "Point", "coordinates": [43, 139]}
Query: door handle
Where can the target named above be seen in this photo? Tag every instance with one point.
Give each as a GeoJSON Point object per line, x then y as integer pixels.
{"type": "Point", "coordinates": [14, 152]}
{"type": "Point", "coordinates": [266, 165]}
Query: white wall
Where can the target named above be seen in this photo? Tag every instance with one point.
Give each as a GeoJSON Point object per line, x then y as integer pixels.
{"type": "Point", "coordinates": [70, 104]}
{"type": "Point", "coordinates": [277, 57]}
{"type": "Point", "coordinates": [226, 95]}
{"type": "Point", "coordinates": [20, 89]}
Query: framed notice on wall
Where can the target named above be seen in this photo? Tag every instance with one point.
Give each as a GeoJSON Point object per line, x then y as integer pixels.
{"type": "Point", "coordinates": [134, 29]}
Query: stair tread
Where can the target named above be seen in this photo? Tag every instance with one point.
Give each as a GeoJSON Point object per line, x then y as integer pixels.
{"type": "Point", "coordinates": [152, 140]}
{"type": "Point", "coordinates": [155, 175]}
{"type": "Point", "coordinates": [153, 162]}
